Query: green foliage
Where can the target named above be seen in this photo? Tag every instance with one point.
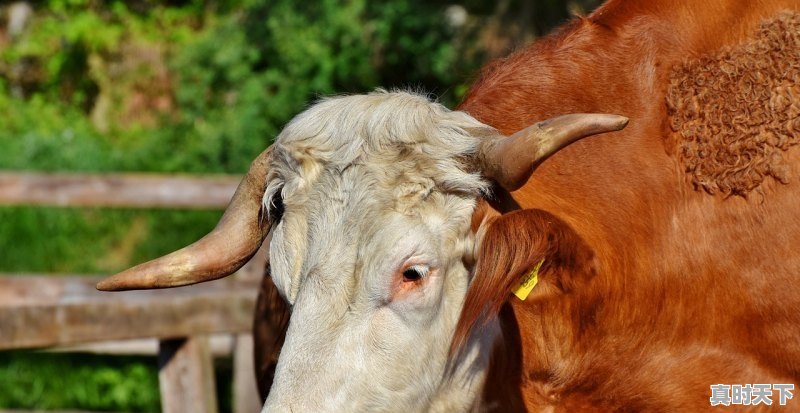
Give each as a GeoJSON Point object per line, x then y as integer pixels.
{"type": "Point", "coordinates": [234, 79]}
{"type": "Point", "coordinates": [93, 241]}
{"type": "Point", "coordinates": [47, 381]}
{"type": "Point", "coordinates": [401, 31]}
{"type": "Point", "coordinates": [47, 135]}
{"type": "Point", "coordinates": [100, 383]}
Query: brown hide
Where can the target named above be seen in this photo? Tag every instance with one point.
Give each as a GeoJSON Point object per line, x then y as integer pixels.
{"type": "Point", "coordinates": [269, 332]}
{"type": "Point", "coordinates": [691, 288]}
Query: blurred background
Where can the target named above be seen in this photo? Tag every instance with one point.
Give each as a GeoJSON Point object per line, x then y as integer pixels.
{"type": "Point", "coordinates": [194, 87]}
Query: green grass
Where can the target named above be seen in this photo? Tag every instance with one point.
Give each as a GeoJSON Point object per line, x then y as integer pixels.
{"type": "Point", "coordinates": [36, 380]}
{"type": "Point", "coordinates": [47, 381]}
{"type": "Point", "coordinates": [93, 241]}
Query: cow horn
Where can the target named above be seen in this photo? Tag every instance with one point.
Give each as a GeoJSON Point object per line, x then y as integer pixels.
{"type": "Point", "coordinates": [225, 249]}
{"type": "Point", "coordinates": [511, 160]}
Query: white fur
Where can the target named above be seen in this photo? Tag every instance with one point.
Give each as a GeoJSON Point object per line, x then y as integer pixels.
{"type": "Point", "coordinates": [371, 183]}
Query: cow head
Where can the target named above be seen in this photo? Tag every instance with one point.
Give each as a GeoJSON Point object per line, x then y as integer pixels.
{"type": "Point", "coordinates": [367, 203]}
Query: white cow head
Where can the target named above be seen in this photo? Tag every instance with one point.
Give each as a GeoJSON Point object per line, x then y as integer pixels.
{"type": "Point", "coordinates": [368, 200]}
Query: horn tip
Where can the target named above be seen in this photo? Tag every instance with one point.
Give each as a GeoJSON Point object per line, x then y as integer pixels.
{"type": "Point", "coordinates": [622, 122]}
{"type": "Point", "coordinates": [101, 286]}
{"type": "Point", "coordinates": [113, 283]}
{"type": "Point", "coordinates": [612, 122]}
{"type": "Point", "coordinates": [139, 277]}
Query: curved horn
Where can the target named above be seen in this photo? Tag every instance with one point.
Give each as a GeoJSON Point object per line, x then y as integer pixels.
{"type": "Point", "coordinates": [511, 160]}
{"type": "Point", "coordinates": [225, 249]}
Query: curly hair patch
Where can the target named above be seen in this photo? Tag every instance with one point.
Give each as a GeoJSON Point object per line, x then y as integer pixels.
{"type": "Point", "coordinates": [733, 114]}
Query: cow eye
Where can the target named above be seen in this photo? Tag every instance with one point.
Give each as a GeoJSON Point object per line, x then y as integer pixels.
{"type": "Point", "coordinates": [415, 273]}
{"type": "Point", "coordinates": [276, 209]}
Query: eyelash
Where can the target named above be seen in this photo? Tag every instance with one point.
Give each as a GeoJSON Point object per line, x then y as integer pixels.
{"type": "Point", "coordinates": [415, 273]}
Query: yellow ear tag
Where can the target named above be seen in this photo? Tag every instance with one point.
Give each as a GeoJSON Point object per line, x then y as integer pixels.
{"type": "Point", "coordinates": [527, 282]}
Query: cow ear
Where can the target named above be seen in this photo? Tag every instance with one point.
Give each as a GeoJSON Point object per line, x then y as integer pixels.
{"type": "Point", "coordinates": [269, 332]}
{"type": "Point", "coordinates": [510, 248]}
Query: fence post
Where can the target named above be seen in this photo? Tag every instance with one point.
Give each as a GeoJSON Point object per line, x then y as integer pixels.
{"type": "Point", "coordinates": [245, 389]}
{"type": "Point", "coordinates": [186, 376]}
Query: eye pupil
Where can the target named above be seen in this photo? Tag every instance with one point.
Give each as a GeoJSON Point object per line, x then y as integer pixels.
{"type": "Point", "coordinates": [412, 274]}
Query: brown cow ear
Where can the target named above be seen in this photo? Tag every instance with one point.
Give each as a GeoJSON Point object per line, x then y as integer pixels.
{"type": "Point", "coordinates": [269, 332]}
{"type": "Point", "coordinates": [512, 246]}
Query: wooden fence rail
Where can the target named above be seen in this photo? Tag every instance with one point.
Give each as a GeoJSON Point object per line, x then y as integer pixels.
{"type": "Point", "coordinates": [46, 311]}
{"type": "Point", "coordinates": [116, 190]}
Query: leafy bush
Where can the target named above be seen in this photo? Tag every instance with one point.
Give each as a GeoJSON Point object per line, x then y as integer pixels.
{"type": "Point", "coordinates": [100, 383]}
{"type": "Point", "coordinates": [36, 380]}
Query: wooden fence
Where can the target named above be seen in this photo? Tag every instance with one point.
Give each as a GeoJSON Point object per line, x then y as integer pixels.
{"type": "Point", "coordinates": [45, 311]}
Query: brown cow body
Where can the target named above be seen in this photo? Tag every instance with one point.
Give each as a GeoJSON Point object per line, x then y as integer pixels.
{"type": "Point", "coordinates": [685, 289]}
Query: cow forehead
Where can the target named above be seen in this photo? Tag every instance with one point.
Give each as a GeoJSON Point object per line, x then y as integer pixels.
{"type": "Point", "coordinates": [405, 135]}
